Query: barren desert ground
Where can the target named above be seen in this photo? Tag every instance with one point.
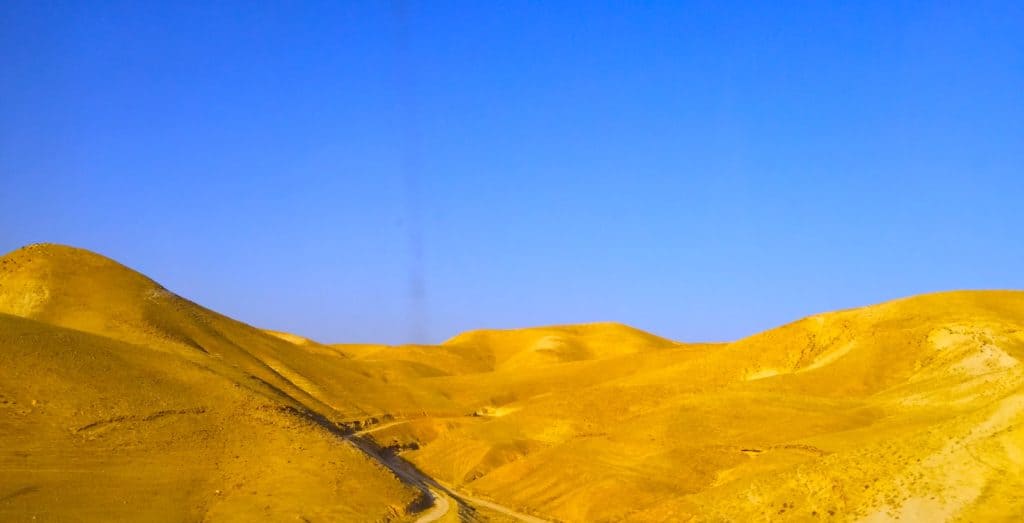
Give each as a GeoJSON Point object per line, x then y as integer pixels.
{"type": "Point", "coordinates": [120, 400]}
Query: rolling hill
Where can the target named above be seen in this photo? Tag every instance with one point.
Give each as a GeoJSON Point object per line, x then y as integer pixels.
{"type": "Point", "coordinates": [122, 400]}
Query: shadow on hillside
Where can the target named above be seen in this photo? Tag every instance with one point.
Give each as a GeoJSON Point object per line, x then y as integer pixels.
{"type": "Point", "coordinates": [402, 469]}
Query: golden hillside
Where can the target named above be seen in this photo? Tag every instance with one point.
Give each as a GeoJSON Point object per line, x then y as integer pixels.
{"type": "Point", "coordinates": [121, 400]}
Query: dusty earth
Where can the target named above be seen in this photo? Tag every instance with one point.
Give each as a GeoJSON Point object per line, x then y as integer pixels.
{"type": "Point", "coordinates": [120, 400]}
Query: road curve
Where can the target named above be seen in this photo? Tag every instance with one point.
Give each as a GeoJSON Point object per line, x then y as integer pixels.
{"type": "Point", "coordinates": [436, 512]}
{"type": "Point", "coordinates": [525, 518]}
{"type": "Point", "coordinates": [437, 493]}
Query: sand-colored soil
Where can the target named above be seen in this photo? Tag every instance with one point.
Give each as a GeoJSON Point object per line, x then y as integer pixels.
{"type": "Point", "coordinates": [121, 401]}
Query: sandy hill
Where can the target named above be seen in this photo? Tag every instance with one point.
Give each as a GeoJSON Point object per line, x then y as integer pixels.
{"type": "Point", "coordinates": [121, 400]}
{"type": "Point", "coordinates": [855, 414]}
{"type": "Point", "coordinates": [525, 349]}
{"type": "Point", "coordinates": [520, 350]}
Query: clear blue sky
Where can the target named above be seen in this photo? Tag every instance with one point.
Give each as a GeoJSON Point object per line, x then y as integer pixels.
{"type": "Point", "coordinates": [388, 172]}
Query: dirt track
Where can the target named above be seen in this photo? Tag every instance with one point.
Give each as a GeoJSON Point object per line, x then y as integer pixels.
{"type": "Point", "coordinates": [432, 490]}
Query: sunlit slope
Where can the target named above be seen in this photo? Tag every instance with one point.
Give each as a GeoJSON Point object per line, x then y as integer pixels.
{"type": "Point", "coordinates": [525, 349]}
{"type": "Point", "coordinates": [78, 289]}
{"type": "Point", "coordinates": [95, 429]}
{"type": "Point", "coordinates": [912, 409]}
{"type": "Point", "coordinates": [121, 401]}
{"type": "Point", "coordinates": [857, 413]}
{"type": "Point", "coordinates": [518, 350]}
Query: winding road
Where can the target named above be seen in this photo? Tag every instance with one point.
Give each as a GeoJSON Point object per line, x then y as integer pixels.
{"type": "Point", "coordinates": [437, 511]}
{"type": "Point", "coordinates": [441, 496]}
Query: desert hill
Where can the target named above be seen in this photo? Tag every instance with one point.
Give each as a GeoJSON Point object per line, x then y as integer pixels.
{"type": "Point", "coordinates": [848, 413]}
{"type": "Point", "coordinates": [122, 400]}
{"type": "Point", "coordinates": [81, 290]}
{"type": "Point", "coordinates": [907, 409]}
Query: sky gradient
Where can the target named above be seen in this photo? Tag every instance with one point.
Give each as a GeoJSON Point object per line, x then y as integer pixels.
{"type": "Point", "coordinates": [396, 172]}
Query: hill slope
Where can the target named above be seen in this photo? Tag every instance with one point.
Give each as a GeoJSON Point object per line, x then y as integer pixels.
{"type": "Point", "coordinates": [861, 414]}
{"type": "Point", "coordinates": [121, 400]}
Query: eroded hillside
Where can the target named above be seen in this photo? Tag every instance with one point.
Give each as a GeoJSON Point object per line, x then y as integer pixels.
{"type": "Point", "coordinates": [122, 401]}
{"type": "Point", "coordinates": [907, 409]}
{"type": "Point", "coordinates": [121, 398]}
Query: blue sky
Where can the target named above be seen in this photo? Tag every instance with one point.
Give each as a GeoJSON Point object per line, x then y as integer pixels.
{"type": "Point", "coordinates": [401, 172]}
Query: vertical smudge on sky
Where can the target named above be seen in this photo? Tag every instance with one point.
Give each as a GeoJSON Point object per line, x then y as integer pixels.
{"type": "Point", "coordinates": [409, 170]}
